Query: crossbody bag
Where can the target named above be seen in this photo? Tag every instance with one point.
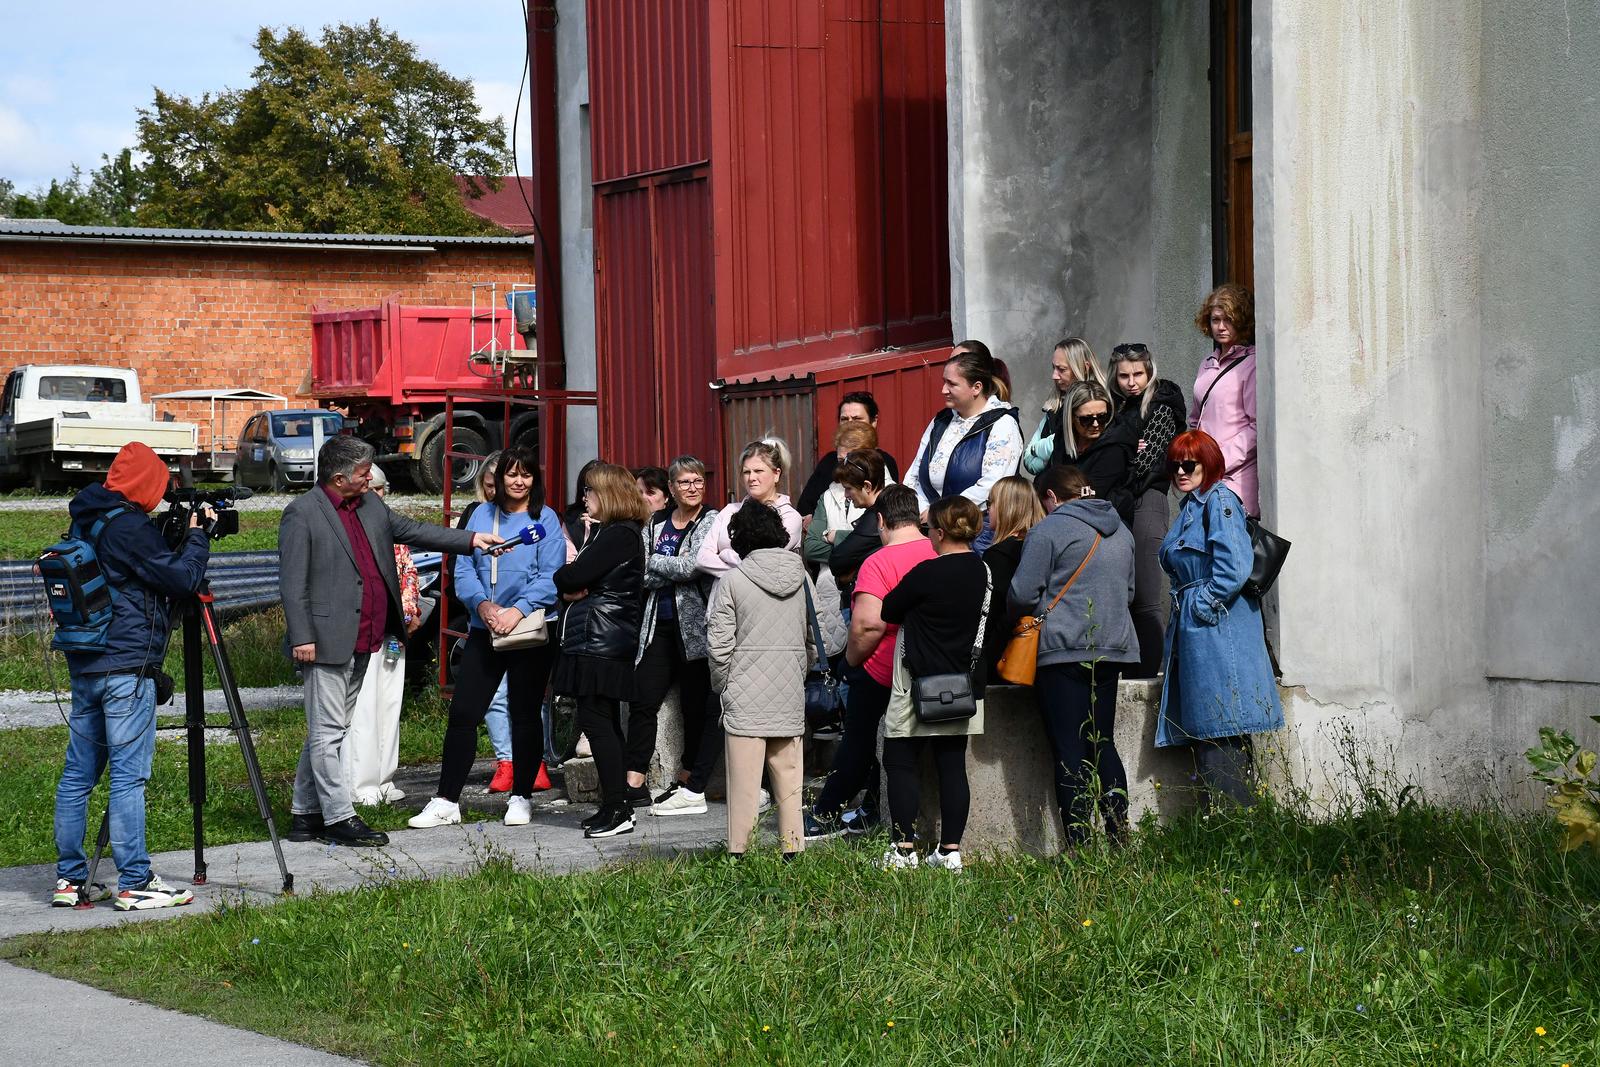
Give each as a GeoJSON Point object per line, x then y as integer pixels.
{"type": "Point", "coordinates": [528, 633]}
{"type": "Point", "coordinates": [937, 698]}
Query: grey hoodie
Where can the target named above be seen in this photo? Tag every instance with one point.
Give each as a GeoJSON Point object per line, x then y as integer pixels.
{"type": "Point", "coordinates": [758, 645]}
{"type": "Point", "coordinates": [1092, 621]}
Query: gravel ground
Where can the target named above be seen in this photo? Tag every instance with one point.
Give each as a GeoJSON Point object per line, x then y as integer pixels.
{"type": "Point", "coordinates": [259, 502]}
{"type": "Point", "coordinates": [21, 708]}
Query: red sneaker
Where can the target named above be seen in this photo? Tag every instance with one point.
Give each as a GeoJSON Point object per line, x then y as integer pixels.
{"type": "Point", "coordinates": [541, 781]}
{"type": "Point", "coordinates": [501, 782]}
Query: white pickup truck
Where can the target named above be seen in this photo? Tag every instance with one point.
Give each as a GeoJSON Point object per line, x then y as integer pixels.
{"type": "Point", "coordinates": [66, 423]}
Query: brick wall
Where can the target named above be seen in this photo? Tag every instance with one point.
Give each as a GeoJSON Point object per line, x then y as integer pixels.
{"type": "Point", "coordinates": [195, 318]}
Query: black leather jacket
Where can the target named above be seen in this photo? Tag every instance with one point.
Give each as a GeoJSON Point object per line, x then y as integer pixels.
{"type": "Point", "coordinates": [605, 623]}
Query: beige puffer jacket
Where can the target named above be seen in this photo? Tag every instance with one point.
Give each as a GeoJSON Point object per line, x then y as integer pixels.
{"type": "Point", "coordinates": [759, 645]}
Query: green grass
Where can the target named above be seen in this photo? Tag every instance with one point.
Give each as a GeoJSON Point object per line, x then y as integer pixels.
{"type": "Point", "coordinates": [24, 534]}
{"type": "Point", "coordinates": [33, 766]}
{"type": "Point", "coordinates": [1411, 936]}
{"type": "Point", "coordinates": [254, 643]}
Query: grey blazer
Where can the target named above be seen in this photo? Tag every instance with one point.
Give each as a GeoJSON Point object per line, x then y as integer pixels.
{"type": "Point", "coordinates": [317, 572]}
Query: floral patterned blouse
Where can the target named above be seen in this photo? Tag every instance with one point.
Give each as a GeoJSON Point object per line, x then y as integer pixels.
{"type": "Point", "coordinates": [410, 585]}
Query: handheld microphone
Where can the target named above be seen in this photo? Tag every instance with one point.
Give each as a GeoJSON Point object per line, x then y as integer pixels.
{"type": "Point", "coordinates": [528, 535]}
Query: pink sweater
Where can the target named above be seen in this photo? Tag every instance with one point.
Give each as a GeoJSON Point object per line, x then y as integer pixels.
{"type": "Point", "coordinates": [1230, 418]}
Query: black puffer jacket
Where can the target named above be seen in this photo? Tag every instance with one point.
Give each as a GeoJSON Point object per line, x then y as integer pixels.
{"type": "Point", "coordinates": [605, 623]}
{"type": "Point", "coordinates": [1166, 420]}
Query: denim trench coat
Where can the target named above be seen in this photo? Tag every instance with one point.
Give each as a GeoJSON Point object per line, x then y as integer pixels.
{"type": "Point", "coordinates": [1219, 682]}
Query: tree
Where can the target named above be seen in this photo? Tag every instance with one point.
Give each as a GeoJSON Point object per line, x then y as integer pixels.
{"type": "Point", "coordinates": [352, 134]}
{"type": "Point", "coordinates": [65, 201]}
{"type": "Point", "coordinates": [110, 198]}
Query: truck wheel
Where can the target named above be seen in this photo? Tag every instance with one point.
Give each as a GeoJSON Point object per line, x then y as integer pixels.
{"type": "Point", "coordinates": [430, 461]}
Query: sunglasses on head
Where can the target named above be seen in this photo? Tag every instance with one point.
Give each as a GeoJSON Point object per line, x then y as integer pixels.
{"type": "Point", "coordinates": [1092, 420]}
{"type": "Point", "coordinates": [1137, 346]}
{"type": "Point", "coordinates": [1183, 466]}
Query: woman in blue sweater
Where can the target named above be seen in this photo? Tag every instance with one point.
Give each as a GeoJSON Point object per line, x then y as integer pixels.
{"type": "Point", "coordinates": [499, 592]}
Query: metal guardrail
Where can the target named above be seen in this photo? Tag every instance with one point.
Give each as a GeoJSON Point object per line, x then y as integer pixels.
{"type": "Point", "coordinates": [241, 582]}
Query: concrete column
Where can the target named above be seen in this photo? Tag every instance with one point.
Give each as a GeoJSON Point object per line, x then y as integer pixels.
{"type": "Point", "coordinates": [1367, 200]}
{"type": "Point", "coordinates": [577, 231]}
{"type": "Point", "coordinates": [1050, 156]}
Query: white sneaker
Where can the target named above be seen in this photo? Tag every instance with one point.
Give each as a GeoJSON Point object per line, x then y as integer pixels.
{"type": "Point", "coordinates": [895, 860]}
{"type": "Point", "coordinates": [766, 803]}
{"type": "Point", "coordinates": [439, 812]}
{"type": "Point", "coordinates": [681, 801]}
{"type": "Point", "coordinates": [153, 894]}
{"type": "Point", "coordinates": [518, 811]}
{"type": "Point", "coordinates": [66, 894]}
{"type": "Point", "coordinates": [367, 799]}
{"type": "Point", "coordinates": [392, 793]}
{"type": "Point", "coordinates": [950, 861]}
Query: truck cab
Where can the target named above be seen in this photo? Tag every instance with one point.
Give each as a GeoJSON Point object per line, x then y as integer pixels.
{"type": "Point", "coordinates": [62, 422]}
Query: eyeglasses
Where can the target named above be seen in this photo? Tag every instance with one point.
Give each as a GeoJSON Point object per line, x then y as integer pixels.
{"type": "Point", "coordinates": [690, 483]}
{"type": "Point", "coordinates": [1136, 346]}
{"type": "Point", "coordinates": [1183, 466]}
{"type": "Point", "coordinates": [1092, 420]}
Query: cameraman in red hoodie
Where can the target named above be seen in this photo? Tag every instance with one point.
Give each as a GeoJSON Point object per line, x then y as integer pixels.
{"type": "Point", "coordinates": [113, 721]}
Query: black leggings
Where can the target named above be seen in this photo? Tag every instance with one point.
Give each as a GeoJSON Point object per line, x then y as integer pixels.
{"type": "Point", "coordinates": [855, 764]}
{"type": "Point", "coordinates": [600, 718]}
{"type": "Point", "coordinates": [663, 663]}
{"type": "Point", "coordinates": [477, 678]}
{"type": "Point", "coordinates": [905, 784]}
{"type": "Point", "coordinates": [1079, 706]}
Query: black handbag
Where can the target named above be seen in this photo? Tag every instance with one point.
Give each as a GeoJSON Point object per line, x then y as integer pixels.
{"type": "Point", "coordinates": [1270, 553]}
{"type": "Point", "coordinates": [822, 688]}
{"type": "Point", "coordinates": [937, 698]}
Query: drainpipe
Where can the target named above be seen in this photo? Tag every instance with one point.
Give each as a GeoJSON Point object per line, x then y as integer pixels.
{"type": "Point", "coordinates": [543, 115]}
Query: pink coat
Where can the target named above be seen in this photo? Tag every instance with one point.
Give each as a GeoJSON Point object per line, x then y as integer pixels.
{"type": "Point", "coordinates": [1230, 418]}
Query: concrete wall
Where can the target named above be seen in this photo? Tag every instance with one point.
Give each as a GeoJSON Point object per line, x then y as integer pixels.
{"type": "Point", "coordinates": [1050, 161]}
{"type": "Point", "coordinates": [577, 229]}
{"type": "Point", "coordinates": [1180, 189]}
{"type": "Point", "coordinates": [1368, 195]}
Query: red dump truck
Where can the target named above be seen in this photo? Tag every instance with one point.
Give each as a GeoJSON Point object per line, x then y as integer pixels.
{"type": "Point", "coordinates": [390, 367]}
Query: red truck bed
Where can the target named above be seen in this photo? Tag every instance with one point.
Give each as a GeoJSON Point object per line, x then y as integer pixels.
{"type": "Point", "coordinates": [401, 352]}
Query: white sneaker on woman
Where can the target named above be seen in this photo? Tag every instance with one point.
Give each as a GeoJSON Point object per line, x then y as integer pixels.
{"type": "Point", "coordinates": [896, 860]}
{"type": "Point", "coordinates": [950, 861]}
{"type": "Point", "coordinates": [518, 811]}
{"type": "Point", "coordinates": [439, 812]}
{"type": "Point", "coordinates": [680, 801]}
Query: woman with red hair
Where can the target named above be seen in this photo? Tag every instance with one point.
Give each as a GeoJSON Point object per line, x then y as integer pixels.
{"type": "Point", "coordinates": [1219, 684]}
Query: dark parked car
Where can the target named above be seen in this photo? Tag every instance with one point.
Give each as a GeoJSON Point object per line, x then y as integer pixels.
{"type": "Point", "coordinates": [277, 449]}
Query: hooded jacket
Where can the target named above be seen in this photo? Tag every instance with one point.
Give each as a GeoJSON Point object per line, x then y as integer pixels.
{"type": "Point", "coordinates": [760, 645]}
{"type": "Point", "coordinates": [1092, 621]}
{"type": "Point", "coordinates": [1154, 431]}
{"type": "Point", "coordinates": [146, 575]}
{"type": "Point", "coordinates": [1107, 463]}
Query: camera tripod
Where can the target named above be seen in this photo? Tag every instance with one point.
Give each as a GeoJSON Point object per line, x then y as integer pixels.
{"type": "Point", "coordinates": [198, 614]}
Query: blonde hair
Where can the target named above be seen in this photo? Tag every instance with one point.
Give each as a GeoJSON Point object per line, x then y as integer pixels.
{"type": "Point", "coordinates": [1085, 368]}
{"type": "Point", "coordinates": [615, 495]}
{"type": "Point", "coordinates": [485, 474]}
{"type": "Point", "coordinates": [1014, 507]}
{"type": "Point", "coordinates": [853, 435]}
{"type": "Point", "coordinates": [771, 449]}
{"type": "Point", "coordinates": [1142, 356]}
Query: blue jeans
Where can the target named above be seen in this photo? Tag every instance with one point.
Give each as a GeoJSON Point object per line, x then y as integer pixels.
{"type": "Point", "coordinates": [498, 722]}
{"type": "Point", "coordinates": [113, 721]}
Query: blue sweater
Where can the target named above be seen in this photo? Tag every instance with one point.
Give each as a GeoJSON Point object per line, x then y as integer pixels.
{"type": "Point", "coordinates": [524, 572]}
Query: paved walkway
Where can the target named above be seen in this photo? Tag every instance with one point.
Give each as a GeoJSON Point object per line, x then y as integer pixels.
{"type": "Point", "coordinates": [49, 1020]}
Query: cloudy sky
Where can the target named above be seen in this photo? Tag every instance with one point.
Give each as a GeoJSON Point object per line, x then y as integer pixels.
{"type": "Point", "coordinates": [72, 75]}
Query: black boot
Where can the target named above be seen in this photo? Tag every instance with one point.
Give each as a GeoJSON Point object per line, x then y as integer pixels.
{"type": "Point", "coordinates": [305, 827]}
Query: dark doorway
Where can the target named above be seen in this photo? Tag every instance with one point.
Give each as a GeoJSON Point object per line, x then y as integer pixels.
{"type": "Point", "coordinates": [1232, 208]}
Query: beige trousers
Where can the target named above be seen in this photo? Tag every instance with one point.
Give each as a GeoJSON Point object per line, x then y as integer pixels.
{"type": "Point", "coordinates": [745, 757]}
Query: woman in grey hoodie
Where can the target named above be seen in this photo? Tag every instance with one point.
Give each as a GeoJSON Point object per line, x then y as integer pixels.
{"type": "Point", "coordinates": [759, 646]}
{"type": "Point", "coordinates": [1085, 641]}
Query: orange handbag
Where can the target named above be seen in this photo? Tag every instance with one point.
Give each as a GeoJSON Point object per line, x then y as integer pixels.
{"type": "Point", "coordinates": [1020, 662]}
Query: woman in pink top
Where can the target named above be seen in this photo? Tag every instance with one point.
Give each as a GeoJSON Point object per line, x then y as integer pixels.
{"type": "Point", "coordinates": [761, 468]}
{"type": "Point", "coordinates": [1224, 399]}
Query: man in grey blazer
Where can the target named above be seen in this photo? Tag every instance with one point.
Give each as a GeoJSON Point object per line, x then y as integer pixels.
{"type": "Point", "coordinates": [341, 599]}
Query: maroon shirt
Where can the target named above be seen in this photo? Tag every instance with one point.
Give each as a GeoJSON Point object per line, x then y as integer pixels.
{"type": "Point", "coordinates": [374, 593]}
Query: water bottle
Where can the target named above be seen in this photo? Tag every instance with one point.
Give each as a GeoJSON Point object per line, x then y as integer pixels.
{"type": "Point", "coordinates": [391, 650]}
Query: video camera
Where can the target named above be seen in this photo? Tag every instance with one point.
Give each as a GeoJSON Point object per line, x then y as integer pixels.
{"type": "Point", "coordinates": [184, 503]}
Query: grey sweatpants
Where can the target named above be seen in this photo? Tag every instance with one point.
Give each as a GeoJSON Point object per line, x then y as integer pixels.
{"type": "Point", "coordinates": [330, 694]}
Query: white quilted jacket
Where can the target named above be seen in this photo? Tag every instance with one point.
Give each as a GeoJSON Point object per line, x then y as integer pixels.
{"type": "Point", "coordinates": [759, 645]}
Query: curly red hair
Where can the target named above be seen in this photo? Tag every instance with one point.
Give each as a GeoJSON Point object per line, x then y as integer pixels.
{"type": "Point", "coordinates": [1201, 446]}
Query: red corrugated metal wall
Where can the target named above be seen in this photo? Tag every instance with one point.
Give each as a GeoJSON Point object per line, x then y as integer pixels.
{"type": "Point", "coordinates": [829, 142]}
{"type": "Point", "coordinates": [650, 108]}
{"type": "Point", "coordinates": [905, 385]}
{"type": "Point", "coordinates": [649, 86]}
